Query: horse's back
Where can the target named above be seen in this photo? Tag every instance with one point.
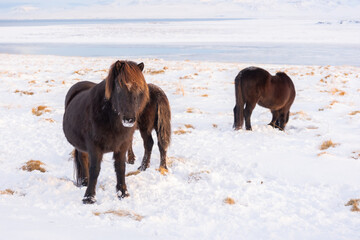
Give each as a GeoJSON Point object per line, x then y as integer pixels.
{"type": "Point", "coordinates": [76, 89]}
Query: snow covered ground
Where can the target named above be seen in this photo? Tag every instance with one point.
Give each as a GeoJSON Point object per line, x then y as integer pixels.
{"type": "Point", "coordinates": [283, 186]}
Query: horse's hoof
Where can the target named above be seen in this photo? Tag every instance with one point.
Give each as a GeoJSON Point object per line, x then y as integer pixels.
{"type": "Point", "coordinates": [89, 200]}
{"type": "Point", "coordinates": [142, 168]}
{"type": "Point", "coordinates": [131, 160]}
{"type": "Point", "coordinates": [122, 195]}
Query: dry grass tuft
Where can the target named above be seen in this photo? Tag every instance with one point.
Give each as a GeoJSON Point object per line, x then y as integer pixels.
{"type": "Point", "coordinates": [322, 153]}
{"type": "Point", "coordinates": [49, 120]}
{"type": "Point", "coordinates": [229, 201]}
{"type": "Point", "coordinates": [327, 144]}
{"type": "Point", "coordinates": [180, 89]}
{"type": "Point", "coordinates": [121, 213]}
{"type": "Point", "coordinates": [189, 126]}
{"type": "Point", "coordinates": [300, 115]}
{"type": "Point", "coordinates": [82, 71]}
{"type": "Point", "coordinates": [354, 113]}
{"type": "Point", "coordinates": [180, 132]}
{"type": "Point", "coordinates": [187, 77]}
{"type": "Point", "coordinates": [356, 155]}
{"type": "Point", "coordinates": [32, 82]}
{"type": "Point", "coordinates": [355, 205]}
{"type": "Point", "coordinates": [171, 160]}
{"type": "Point", "coordinates": [133, 173]}
{"type": "Point", "coordinates": [215, 125]}
{"type": "Point", "coordinates": [196, 176]}
{"type": "Point", "coordinates": [7, 192]}
{"type": "Point", "coordinates": [204, 95]}
{"type": "Point", "coordinates": [154, 72]}
{"type": "Point", "coordinates": [162, 171]}
{"type": "Point", "coordinates": [338, 92]}
{"type": "Point", "coordinates": [193, 110]}
{"type": "Point", "coordinates": [24, 92]}
{"type": "Point", "coordinates": [33, 165]}
{"type": "Point", "coordinates": [37, 111]}
{"type": "Point", "coordinates": [312, 127]}
{"type": "Point", "coordinates": [189, 110]}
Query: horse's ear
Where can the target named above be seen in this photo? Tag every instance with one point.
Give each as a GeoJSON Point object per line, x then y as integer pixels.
{"type": "Point", "coordinates": [141, 66]}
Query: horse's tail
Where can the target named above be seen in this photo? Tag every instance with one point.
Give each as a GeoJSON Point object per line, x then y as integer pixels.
{"type": "Point", "coordinates": [81, 162]}
{"type": "Point", "coordinates": [163, 120]}
{"type": "Point", "coordinates": [76, 89]}
{"type": "Point", "coordinates": [239, 106]}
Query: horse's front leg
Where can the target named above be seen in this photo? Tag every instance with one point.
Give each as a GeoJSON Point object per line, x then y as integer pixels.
{"type": "Point", "coordinates": [131, 156]}
{"type": "Point", "coordinates": [119, 165]}
{"type": "Point", "coordinates": [95, 155]}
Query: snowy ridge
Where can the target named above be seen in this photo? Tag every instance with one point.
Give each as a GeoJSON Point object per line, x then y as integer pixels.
{"type": "Point", "coordinates": [283, 186]}
{"type": "Point", "coordinates": [179, 9]}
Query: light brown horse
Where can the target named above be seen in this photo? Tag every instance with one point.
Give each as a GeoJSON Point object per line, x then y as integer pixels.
{"type": "Point", "coordinates": [100, 118]}
{"type": "Point", "coordinates": [255, 85]}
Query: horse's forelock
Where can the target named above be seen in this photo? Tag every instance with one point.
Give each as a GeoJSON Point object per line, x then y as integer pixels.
{"type": "Point", "coordinates": [132, 78]}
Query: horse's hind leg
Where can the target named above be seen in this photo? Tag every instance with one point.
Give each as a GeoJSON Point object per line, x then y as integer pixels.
{"type": "Point", "coordinates": [148, 145]}
{"type": "Point", "coordinates": [95, 156]}
{"type": "Point", "coordinates": [274, 121]}
{"type": "Point", "coordinates": [162, 144]}
{"type": "Point", "coordinates": [81, 162]}
{"type": "Point", "coordinates": [247, 114]}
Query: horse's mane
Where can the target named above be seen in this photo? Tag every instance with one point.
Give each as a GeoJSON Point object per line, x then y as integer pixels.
{"type": "Point", "coordinates": [129, 76]}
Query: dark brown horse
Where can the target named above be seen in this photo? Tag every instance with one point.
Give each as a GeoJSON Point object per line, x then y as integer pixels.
{"type": "Point", "coordinates": [255, 85]}
{"type": "Point", "coordinates": [156, 115]}
{"type": "Point", "coordinates": [100, 118]}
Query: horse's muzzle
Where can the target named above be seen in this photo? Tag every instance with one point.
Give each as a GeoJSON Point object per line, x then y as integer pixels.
{"type": "Point", "coordinates": [128, 122]}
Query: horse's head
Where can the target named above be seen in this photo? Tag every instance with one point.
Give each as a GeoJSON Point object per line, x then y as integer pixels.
{"type": "Point", "coordinates": [127, 91]}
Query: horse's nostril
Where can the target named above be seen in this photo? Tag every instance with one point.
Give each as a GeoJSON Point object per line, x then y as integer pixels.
{"type": "Point", "coordinates": [129, 120]}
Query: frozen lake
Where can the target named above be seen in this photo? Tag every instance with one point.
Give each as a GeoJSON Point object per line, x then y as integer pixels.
{"type": "Point", "coordinates": [247, 40]}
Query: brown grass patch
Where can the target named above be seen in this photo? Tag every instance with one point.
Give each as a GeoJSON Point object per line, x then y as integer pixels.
{"type": "Point", "coordinates": [300, 115]}
{"type": "Point", "coordinates": [229, 201]}
{"type": "Point", "coordinates": [154, 72]}
{"type": "Point", "coordinates": [187, 77]}
{"type": "Point", "coordinates": [189, 126]}
{"type": "Point", "coordinates": [196, 176]}
{"type": "Point", "coordinates": [328, 144]}
{"type": "Point", "coordinates": [204, 95]}
{"type": "Point", "coordinates": [354, 113]}
{"type": "Point", "coordinates": [337, 91]}
{"type": "Point", "coordinates": [312, 127]}
{"type": "Point", "coordinates": [180, 89]}
{"type": "Point", "coordinates": [49, 120]}
{"type": "Point", "coordinates": [355, 205]}
{"type": "Point", "coordinates": [162, 171]}
{"type": "Point", "coordinates": [121, 213]}
{"type": "Point", "coordinates": [193, 110]}
{"type": "Point", "coordinates": [82, 71]}
{"type": "Point", "coordinates": [33, 165]}
{"type": "Point", "coordinates": [190, 110]}
{"type": "Point", "coordinates": [322, 153]}
{"type": "Point", "coordinates": [24, 92]}
{"type": "Point", "coordinates": [171, 160]}
{"type": "Point", "coordinates": [356, 155]}
{"type": "Point", "coordinates": [37, 111]}
{"type": "Point", "coordinates": [133, 173]}
{"type": "Point", "coordinates": [215, 125]}
{"type": "Point", "coordinates": [7, 192]}
{"type": "Point", "coordinates": [180, 132]}
{"type": "Point", "coordinates": [32, 82]}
